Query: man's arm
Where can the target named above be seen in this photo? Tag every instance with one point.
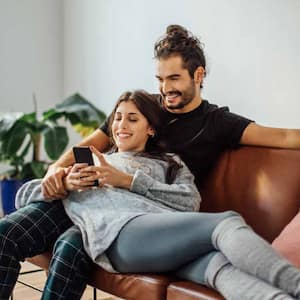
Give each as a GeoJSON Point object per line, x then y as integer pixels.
{"type": "Point", "coordinates": [52, 183]}
{"type": "Point", "coordinates": [257, 135]}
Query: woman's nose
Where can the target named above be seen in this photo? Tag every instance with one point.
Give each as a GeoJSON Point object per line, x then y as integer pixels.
{"type": "Point", "coordinates": [123, 123]}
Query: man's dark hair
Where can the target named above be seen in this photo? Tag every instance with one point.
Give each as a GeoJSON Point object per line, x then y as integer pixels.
{"type": "Point", "coordinates": [179, 41]}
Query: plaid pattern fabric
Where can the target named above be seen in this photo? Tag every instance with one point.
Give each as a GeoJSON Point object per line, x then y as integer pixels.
{"type": "Point", "coordinates": [33, 230]}
{"type": "Point", "coordinates": [69, 269]}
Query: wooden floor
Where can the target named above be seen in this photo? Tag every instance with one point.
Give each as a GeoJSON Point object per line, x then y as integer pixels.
{"type": "Point", "coordinates": [37, 279]}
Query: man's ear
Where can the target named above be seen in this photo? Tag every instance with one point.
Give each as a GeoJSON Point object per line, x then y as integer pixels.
{"type": "Point", "coordinates": [199, 75]}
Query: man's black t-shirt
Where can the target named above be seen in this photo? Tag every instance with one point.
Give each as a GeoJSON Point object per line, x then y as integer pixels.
{"type": "Point", "coordinates": [201, 135]}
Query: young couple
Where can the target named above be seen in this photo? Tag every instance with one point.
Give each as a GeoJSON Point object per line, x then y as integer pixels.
{"type": "Point", "coordinates": [148, 196]}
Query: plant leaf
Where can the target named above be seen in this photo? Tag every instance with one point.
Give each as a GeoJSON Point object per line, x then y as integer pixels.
{"type": "Point", "coordinates": [77, 109]}
{"type": "Point", "coordinates": [7, 121]}
{"type": "Point", "coordinates": [34, 169]}
{"type": "Point", "coordinates": [55, 140]}
{"type": "Point", "coordinates": [14, 138]}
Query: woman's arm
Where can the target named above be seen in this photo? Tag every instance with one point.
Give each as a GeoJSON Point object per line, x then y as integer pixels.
{"type": "Point", "coordinates": [181, 195]}
{"type": "Point", "coordinates": [52, 183]}
{"type": "Point", "coordinates": [29, 192]}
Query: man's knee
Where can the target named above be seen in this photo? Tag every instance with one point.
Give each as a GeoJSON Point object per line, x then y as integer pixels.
{"type": "Point", "coordinates": [69, 256]}
{"type": "Point", "coordinates": [69, 244]}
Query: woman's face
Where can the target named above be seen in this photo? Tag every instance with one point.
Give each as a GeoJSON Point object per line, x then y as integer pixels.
{"type": "Point", "coordinates": [130, 129]}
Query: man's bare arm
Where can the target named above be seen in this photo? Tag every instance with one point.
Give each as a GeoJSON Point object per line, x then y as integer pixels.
{"type": "Point", "coordinates": [52, 183]}
{"type": "Point", "coordinates": [257, 135]}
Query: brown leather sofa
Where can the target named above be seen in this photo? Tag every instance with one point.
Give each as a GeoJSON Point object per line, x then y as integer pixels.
{"type": "Point", "coordinates": [262, 184]}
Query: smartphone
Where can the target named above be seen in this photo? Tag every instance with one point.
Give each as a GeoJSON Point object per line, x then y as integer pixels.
{"type": "Point", "coordinates": [84, 155]}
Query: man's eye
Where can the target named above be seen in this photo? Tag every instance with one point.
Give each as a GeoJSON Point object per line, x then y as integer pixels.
{"type": "Point", "coordinates": [133, 120]}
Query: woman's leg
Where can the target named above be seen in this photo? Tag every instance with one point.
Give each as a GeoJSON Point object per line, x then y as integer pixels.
{"type": "Point", "coordinates": [181, 242]}
{"type": "Point", "coordinates": [69, 268]}
{"type": "Point", "coordinates": [164, 242]}
{"type": "Point", "coordinates": [235, 284]}
{"type": "Point", "coordinates": [29, 231]}
{"type": "Point", "coordinates": [250, 253]}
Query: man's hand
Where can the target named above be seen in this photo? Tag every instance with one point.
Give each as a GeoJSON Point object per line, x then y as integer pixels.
{"type": "Point", "coordinates": [52, 183]}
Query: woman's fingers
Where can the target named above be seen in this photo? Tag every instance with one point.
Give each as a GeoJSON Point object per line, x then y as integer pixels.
{"type": "Point", "coordinates": [100, 156]}
{"type": "Point", "coordinates": [78, 166]}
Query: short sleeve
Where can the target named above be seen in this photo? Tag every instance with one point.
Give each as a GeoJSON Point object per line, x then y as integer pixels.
{"type": "Point", "coordinates": [105, 126]}
{"type": "Point", "coordinates": [229, 127]}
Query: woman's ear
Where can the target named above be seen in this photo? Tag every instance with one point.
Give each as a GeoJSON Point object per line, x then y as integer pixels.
{"type": "Point", "coordinates": [151, 132]}
{"type": "Point", "coordinates": [199, 75]}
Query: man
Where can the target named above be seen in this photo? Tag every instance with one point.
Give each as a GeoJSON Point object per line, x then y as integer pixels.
{"type": "Point", "coordinates": [193, 128]}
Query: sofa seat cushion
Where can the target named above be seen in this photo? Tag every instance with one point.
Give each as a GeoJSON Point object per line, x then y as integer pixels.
{"type": "Point", "coordinates": [190, 291]}
{"type": "Point", "coordinates": [127, 286]}
{"type": "Point", "coordinates": [131, 286]}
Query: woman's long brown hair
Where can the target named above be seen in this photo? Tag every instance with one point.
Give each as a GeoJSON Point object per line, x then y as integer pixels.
{"type": "Point", "coordinates": [149, 107]}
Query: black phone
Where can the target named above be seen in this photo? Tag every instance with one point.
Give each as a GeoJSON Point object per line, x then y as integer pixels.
{"type": "Point", "coordinates": [84, 155]}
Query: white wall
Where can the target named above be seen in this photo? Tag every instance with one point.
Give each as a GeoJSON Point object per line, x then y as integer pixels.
{"type": "Point", "coordinates": [31, 54]}
{"type": "Point", "coordinates": [252, 50]}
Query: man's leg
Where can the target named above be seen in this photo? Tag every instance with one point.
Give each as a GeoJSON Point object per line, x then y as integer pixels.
{"type": "Point", "coordinates": [69, 269]}
{"type": "Point", "coordinates": [27, 232]}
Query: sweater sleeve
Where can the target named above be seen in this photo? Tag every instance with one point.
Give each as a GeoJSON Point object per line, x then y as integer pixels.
{"type": "Point", "coordinates": [29, 192]}
{"type": "Point", "coordinates": [181, 195]}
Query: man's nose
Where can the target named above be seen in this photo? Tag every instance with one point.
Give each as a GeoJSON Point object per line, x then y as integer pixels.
{"type": "Point", "coordinates": [165, 86]}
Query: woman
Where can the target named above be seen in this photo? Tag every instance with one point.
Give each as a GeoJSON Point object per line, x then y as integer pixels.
{"type": "Point", "coordinates": [136, 204]}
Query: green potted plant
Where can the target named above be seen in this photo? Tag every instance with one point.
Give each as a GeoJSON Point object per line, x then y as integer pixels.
{"type": "Point", "coordinates": [23, 134]}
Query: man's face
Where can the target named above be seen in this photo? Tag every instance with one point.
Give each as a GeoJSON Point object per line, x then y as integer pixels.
{"type": "Point", "coordinates": [175, 84]}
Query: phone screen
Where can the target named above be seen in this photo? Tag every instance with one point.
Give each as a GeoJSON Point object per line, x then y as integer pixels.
{"type": "Point", "coordinates": [84, 155]}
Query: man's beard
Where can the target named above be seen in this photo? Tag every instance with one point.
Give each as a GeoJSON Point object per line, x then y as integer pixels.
{"type": "Point", "coordinates": [186, 97]}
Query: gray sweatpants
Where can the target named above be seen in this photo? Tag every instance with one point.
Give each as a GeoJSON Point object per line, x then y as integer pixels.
{"type": "Point", "coordinates": [215, 249]}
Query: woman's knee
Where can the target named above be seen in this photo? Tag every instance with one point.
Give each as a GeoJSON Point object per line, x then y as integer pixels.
{"type": "Point", "coordinates": [229, 214]}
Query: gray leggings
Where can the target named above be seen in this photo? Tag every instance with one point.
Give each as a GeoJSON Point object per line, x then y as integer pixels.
{"type": "Point", "coordinates": [167, 242]}
{"type": "Point", "coordinates": [215, 249]}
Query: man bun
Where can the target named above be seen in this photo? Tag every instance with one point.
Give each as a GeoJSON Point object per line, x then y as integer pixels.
{"type": "Point", "coordinates": [177, 30]}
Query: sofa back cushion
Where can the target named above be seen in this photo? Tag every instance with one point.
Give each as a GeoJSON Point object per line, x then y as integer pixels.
{"type": "Point", "coordinates": [262, 184]}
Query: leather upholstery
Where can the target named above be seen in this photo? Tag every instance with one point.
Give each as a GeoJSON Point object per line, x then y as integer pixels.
{"type": "Point", "coordinates": [262, 184]}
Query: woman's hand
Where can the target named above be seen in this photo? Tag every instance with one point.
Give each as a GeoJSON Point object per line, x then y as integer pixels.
{"type": "Point", "coordinates": [77, 178]}
{"type": "Point", "coordinates": [106, 173]}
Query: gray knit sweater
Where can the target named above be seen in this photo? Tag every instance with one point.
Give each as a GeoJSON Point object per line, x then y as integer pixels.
{"type": "Point", "coordinates": [101, 213]}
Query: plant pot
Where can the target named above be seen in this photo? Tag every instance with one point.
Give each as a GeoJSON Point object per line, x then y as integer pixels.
{"type": "Point", "coordinates": [9, 188]}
